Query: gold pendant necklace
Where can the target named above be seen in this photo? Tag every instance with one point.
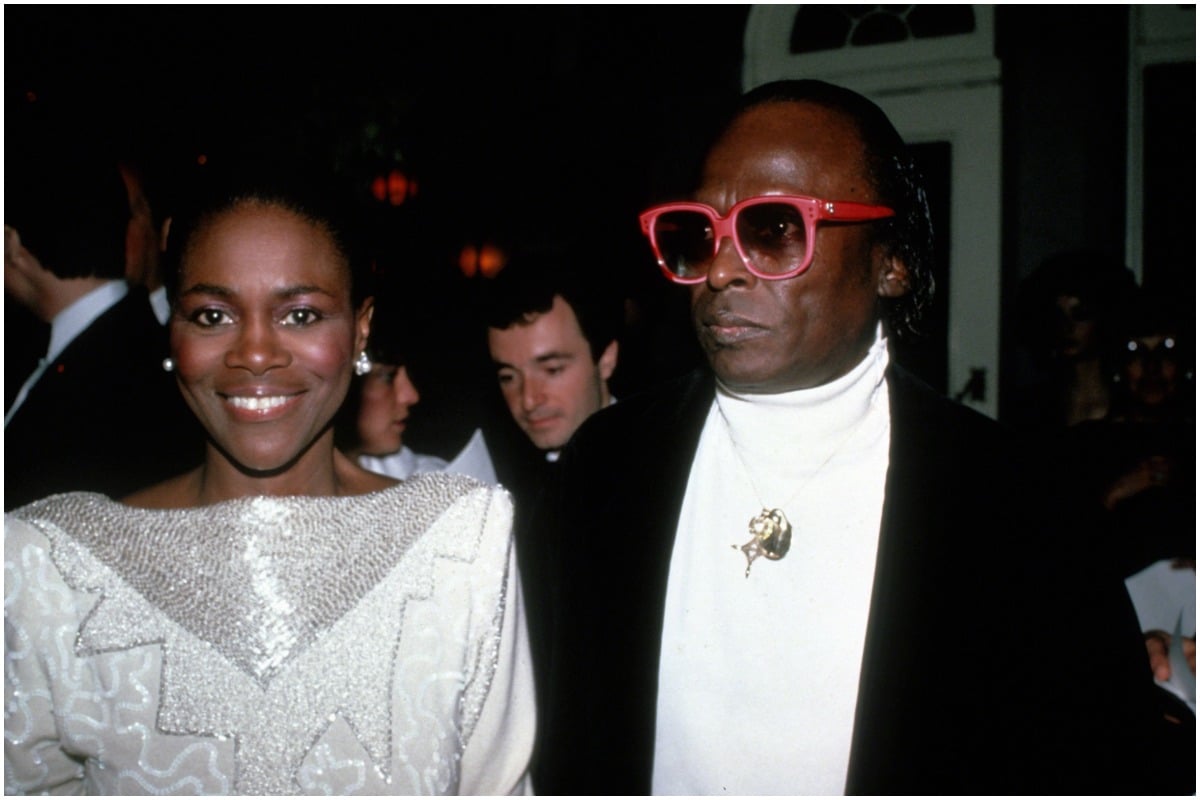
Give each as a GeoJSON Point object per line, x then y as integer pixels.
{"type": "Point", "coordinates": [770, 530]}
{"type": "Point", "coordinates": [770, 536]}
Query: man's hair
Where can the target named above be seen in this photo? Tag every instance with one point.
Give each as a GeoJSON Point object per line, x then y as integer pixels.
{"type": "Point", "coordinates": [158, 179]}
{"type": "Point", "coordinates": [69, 205]}
{"type": "Point", "coordinates": [528, 285]}
{"type": "Point", "coordinates": [890, 165]}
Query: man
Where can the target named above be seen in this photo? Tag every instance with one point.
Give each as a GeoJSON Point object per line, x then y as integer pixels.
{"type": "Point", "coordinates": [146, 239]}
{"type": "Point", "coordinates": [817, 576]}
{"type": "Point", "coordinates": [554, 346]}
{"type": "Point", "coordinates": [97, 412]}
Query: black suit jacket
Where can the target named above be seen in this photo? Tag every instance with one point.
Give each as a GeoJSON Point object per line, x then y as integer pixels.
{"type": "Point", "coordinates": [104, 416]}
{"type": "Point", "coordinates": [999, 658]}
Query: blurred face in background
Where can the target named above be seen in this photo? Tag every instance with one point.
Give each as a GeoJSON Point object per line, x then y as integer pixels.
{"type": "Point", "coordinates": [1076, 330]}
{"type": "Point", "coordinates": [1150, 370]}
{"type": "Point", "coordinates": [387, 395]}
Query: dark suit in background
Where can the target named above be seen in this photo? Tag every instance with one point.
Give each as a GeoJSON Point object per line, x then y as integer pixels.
{"type": "Point", "coordinates": [104, 416]}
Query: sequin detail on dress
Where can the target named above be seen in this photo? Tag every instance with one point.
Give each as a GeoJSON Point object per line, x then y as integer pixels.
{"type": "Point", "coordinates": [286, 621]}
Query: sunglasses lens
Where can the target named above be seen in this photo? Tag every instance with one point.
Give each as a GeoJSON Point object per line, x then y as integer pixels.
{"type": "Point", "coordinates": [685, 242]}
{"type": "Point", "coordinates": [773, 237]}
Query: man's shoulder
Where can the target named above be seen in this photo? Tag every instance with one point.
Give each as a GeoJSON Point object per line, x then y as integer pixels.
{"type": "Point", "coordinates": [134, 313]}
{"type": "Point", "coordinates": [919, 409]}
{"type": "Point", "coordinates": [665, 405]}
{"type": "Point", "coordinates": [125, 340]}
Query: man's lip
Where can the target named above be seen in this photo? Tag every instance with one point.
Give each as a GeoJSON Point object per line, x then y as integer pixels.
{"type": "Point", "coordinates": [727, 326]}
{"type": "Point", "coordinates": [724, 318]}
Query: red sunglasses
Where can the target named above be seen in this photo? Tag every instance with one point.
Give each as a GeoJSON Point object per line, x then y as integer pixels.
{"type": "Point", "coordinates": [773, 234]}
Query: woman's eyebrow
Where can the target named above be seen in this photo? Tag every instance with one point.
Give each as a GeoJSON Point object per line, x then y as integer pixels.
{"type": "Point", "coordinates": [223, 291]}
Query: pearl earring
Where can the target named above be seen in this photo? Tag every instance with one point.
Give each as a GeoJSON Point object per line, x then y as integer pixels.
{"type": "Point", "coordinates": [362, 364]}
{"type": "Point", "coordinates": [168, 364]}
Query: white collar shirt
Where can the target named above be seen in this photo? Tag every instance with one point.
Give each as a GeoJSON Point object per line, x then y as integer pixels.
{"type": "Point", "coordinates": [66, 326]}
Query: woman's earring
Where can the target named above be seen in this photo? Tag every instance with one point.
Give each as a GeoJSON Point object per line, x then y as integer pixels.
{"type": "Point", "coordinates": [168, 364]}
{"type": "Point", "coordinates": [362, 364]}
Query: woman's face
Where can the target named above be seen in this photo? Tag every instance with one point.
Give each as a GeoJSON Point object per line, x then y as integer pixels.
{"type": "Point", "coordinates": [263, 335]}
{"type": "Point", "coordinates": [387, 394]}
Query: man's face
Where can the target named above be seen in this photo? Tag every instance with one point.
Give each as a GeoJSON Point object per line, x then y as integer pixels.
{"type": "Point", "coordinates": [547, 375]}
{"type": "Point", "coordinates": [1076, 332]}
{"type": "Point", "coordinates": [1151, 369]}
{"type": "Point", "coordinates": [765, 336]}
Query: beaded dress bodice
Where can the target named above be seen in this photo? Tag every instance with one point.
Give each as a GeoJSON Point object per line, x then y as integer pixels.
{"type": "Point", "coordinates": [263, 645]}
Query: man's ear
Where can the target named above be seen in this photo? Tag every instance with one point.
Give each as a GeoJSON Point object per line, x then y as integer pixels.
{"type": "Point", "coordinates": [163, 233]}
{"type": "Point", "coordinates": [608, 360]}
{"type": "Point", "coordinates": [20, 259]}
{"type": "Point", "coordinates": [893, 278]}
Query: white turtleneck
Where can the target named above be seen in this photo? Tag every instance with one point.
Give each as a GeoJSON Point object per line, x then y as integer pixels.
{"type": "Point", "coordinates": [759, 675]}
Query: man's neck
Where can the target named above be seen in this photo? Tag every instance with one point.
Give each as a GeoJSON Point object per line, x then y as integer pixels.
{"type": "Point", "coordinates": [61, 293]}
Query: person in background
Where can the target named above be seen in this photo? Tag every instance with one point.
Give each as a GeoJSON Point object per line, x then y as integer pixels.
{"type": "Point", "coordinates": [277, 620]}
{"type": "Point", "coordinates": [554, 344]}
{"type": "Point", "coordinates": [799, 570]}
{"type": "Point", "coordinates": [147, 187]}
{"type": "Point", "coordinates": [94, 410]}
{"type": "Point", "coordinates": [1139, 465]}
{"type": "Point", "coordinates": [379, 406]}
{"type": "Point", "coordinates": [1066, 312]}
{"type": "Point", "coordinates": [553, 341]}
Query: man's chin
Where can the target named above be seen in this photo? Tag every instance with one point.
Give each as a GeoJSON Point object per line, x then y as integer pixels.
{"type": "Point", "coordinates": [547, 441]}
{"type": "Point", "coordinates": [740, 374]}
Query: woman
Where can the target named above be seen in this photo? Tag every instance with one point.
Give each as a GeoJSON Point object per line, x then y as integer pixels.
{"type": "Point", "coordinates": [278, 620]}
{"type": "Point", "coordinates": [371, 424]}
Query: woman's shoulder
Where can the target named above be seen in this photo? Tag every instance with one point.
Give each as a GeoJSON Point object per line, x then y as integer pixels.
{"type": "Point", "coordinates": [434, 494]}
{"type": "Point", "coordinates": [61, 508]}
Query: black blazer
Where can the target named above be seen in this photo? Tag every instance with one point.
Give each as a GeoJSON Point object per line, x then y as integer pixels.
{"type": "Point", "coordinates": [104, 416]}
{"type": "Point", "coordinates": [999, 659]}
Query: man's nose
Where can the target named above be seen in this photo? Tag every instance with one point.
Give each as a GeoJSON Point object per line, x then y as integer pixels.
{"type": "Point", "coordinates": [727, 267]}
{"type": "Point", "coordinates": [531, 394]}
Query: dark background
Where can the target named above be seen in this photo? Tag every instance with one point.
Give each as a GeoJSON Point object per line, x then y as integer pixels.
{"type": "Point", "coordinates": [528, 127]}
{"type": "Point", "coordinates": [532, 126]}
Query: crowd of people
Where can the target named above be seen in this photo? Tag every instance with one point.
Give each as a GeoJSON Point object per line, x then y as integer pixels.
{"type": "Point", "coordinates": [795, 569]}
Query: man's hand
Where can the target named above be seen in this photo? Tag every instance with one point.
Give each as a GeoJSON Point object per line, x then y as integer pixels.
{"type": "Point", "coordinates": [1158, 647]}
{"type": "Point", "coordinates": [1148, 473]}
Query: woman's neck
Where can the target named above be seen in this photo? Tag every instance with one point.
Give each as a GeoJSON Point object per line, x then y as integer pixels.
{"type": "Point", "coordinates": [324, 473]}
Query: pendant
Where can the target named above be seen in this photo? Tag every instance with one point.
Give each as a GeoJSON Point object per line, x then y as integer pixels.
{"type": "Point", "coordinates": [770, 536]}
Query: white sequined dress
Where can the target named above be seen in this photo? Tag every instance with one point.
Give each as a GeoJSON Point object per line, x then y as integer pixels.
{"type": "Point", "coordinates": [355, 645]}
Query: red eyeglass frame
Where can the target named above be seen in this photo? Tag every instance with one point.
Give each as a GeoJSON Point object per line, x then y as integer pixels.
{"type": "Point", "coordinates": [812, 210]}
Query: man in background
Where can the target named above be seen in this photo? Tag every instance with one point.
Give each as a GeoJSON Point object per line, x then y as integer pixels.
{"type": "Point", "coordinates": [94, 410]}
{"type": "Point", "coordinates": [554, 346]}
